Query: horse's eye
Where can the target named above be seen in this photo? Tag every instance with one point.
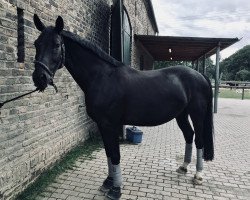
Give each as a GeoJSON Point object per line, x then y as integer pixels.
{"type": "Point", "coordinates": [57, 46]}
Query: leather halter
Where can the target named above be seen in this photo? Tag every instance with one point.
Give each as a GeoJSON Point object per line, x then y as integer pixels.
{"type": "Point", "coordinates": [41, 64]}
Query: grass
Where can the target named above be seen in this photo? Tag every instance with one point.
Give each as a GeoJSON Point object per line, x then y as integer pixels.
{"type": "Point", "coordinates": [227, 93]}
{"type": "Point", "coordinates": [83, 151]}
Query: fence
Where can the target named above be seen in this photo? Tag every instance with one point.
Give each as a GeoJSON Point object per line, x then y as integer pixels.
{"type": "Point", "coordinates": [235, 85]}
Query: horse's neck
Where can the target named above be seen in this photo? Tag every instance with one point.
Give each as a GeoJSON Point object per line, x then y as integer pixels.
{"type": "Point", "coordinates": [83, 65]}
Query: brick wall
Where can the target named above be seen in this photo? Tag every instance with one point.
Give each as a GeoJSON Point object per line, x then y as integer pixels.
{"type": "Point", "coordinates": [37, 130]}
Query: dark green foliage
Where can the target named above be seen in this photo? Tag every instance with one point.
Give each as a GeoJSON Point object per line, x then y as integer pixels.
{"type": "Point", "coordinates": [210, 67]}
{"type": "Point", "coordinates": [163, 64]}
{"type": "Point", "coordinates": [237, 66]}
{"type": "Point", "coordinates": [243, 75]}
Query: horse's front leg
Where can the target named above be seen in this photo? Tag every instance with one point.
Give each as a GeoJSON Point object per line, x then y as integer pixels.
{"type": "Point", "coordinates": [110, 135]}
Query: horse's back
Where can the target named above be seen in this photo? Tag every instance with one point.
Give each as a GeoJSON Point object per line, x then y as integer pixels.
{"type": "Point", "coordinates": [191, 79]}
{"type": "Point", "coordinates": [164, 79]}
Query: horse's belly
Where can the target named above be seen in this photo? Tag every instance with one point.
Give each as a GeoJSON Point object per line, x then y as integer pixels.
{"type": "Point", "coordinates": [145, 122]}
{"type": "Point", "coordinates": [150, 116]}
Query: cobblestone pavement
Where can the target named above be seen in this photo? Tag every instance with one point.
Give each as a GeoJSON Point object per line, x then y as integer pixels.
{"type": "Point", "coordinates": [149, 168]}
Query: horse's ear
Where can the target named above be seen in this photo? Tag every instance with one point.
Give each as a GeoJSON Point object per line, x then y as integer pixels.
{"type": "Point", "coordinates": [39, 25]}
{"type": "Point", "coordinates": [59, 24]}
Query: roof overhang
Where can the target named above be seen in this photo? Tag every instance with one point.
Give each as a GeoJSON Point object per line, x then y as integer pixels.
{"type": "Point", "coordinates": [174, 48]}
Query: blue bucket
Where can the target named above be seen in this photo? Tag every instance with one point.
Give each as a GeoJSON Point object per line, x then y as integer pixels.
{"type": "Point", "coordinates": [134, 135]}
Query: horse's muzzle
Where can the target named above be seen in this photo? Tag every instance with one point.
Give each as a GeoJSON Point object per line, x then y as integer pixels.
{"type": "Point", "coordinates": [41, 79]}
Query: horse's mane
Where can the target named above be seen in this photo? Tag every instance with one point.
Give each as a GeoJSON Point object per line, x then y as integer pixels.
{"type": "Point", "coordinates": [92, 47]}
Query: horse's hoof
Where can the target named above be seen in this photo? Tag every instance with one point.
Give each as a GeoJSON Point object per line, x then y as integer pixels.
{"type": "Point", "coordinates": [197, 180]}
{"type": "Point", "coordinates": [181, 170]}
{"type": "Point", "coordinates": [114, 193]}
{"type": "Point", "coordinates": [107, 184]}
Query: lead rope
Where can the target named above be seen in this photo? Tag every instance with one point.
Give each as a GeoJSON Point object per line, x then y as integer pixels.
{"type": "Point", "coordinates": [52, 84]}
{"type": "Point", "coordinates": [18, 97]}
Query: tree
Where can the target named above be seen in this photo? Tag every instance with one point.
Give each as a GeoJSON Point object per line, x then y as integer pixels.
{"type": "Point", "coordinates": [210, 68]}
{"type": "Point", "coordinates": [234, 65]}
{"type": "Point", "coordinates": [243, 75]}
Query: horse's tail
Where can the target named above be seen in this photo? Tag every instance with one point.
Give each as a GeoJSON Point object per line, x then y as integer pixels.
{"type": "Point", "coordinates": [208, 133]}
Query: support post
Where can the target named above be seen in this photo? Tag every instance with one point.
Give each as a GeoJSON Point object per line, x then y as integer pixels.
{"type": "Point", "coordinates": [192, 64]}
{"type": "Point", "coordinates": [204, 64]}
{"type": "Point", "coordinates": [197, 65]}
{"type": "Point", "coordinates": [217, 74]}
{"type": "Point", "coordinates": [243, 93]}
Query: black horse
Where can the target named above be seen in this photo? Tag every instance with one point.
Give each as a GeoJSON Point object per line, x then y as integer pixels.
{"type": "Point", "coordinates": [117, 95]}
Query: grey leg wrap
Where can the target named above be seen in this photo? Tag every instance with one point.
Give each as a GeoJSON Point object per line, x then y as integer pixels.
{"type": "Point", "coordinates": [188, 153]}
{"type": "Point", "coordinates": [110, 167]}
{"type": "Point", "coordinates": [199, 163]}
{"type": "Point", "coordinates": [117, 175]}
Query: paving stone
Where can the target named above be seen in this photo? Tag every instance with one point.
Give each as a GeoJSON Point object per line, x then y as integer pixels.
{"type": "Point", "coordinates": [156, 196]}
{"type": "Point", "coordinates": [220, 198]}
{"type": "Point", "coordinates": [71, 192]}
{"type": "Point", "coordinates": [59, 196]}
{"type": "Point", "coordinates": [74, 198]}
{"type": "Point", "coordinates": [206, 196]}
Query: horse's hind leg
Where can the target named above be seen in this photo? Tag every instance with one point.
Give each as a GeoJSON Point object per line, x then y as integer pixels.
{"type": "Point", "coordinates": [112, 184]}
{"type": "Point", "coordinates": [197, 117]}
{"type": "Point", "coordinates": [184, 125]}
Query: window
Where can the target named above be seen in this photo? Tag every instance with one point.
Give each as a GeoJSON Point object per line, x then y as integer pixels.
{"type": "Point", "coordinates": [121, 33]}
{"type": "Point", "coordinates": [127, 38]}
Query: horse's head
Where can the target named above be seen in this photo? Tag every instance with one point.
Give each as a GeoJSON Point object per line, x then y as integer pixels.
{"type": "Point", "coordinates": [50, 53]}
